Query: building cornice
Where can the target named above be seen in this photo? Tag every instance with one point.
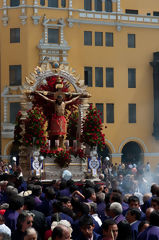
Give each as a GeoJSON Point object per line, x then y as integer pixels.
{"type": "Point", "coordinates": [111, 23]}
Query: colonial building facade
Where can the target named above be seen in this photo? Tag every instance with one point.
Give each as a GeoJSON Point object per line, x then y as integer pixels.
{"type": "Point", "coordinates": [112, 44]}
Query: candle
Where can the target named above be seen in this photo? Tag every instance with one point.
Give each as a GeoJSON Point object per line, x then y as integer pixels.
{"type": "Point", "coordinates": [67, 144]}
{"type": "Point", "coordinates": [56, 143]}
{"type": "Point", "coordinates": [49, 142]}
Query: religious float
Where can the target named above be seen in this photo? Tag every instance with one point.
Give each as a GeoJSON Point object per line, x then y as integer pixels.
{"type": "Point", "coordinates": [57, 129]}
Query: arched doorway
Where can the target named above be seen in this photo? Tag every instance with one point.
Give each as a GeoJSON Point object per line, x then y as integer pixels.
{"type": "Point", "coordinates": [132, 153]}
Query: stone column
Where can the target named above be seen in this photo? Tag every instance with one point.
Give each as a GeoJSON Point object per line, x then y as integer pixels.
{"type": "Point", "coordinates": [24, 152]}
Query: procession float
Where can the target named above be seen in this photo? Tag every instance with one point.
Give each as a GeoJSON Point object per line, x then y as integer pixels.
{"type": "Point", "coordinates": [57, 129]}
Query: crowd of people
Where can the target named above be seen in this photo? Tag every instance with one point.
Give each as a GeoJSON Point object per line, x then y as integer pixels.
{"type": "Point", "coordinates": [123, 204]}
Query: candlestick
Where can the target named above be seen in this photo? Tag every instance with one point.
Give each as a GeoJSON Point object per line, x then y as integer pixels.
{"type": "Point", "coordinates": [67, 144]}
{"type": "Point", "coordinates": [57, 142]}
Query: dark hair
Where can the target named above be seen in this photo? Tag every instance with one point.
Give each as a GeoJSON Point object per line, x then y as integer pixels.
{"type": "Point", "coordinates": [85, 220]}
{"type": "Point", "coordinates": [57, 206]}
{"type": "Point", "coordinates": [57, 232]}
{"type": "Point", "coordinates": [36, 191]}
{"type": "Point", "coordinates": [136, 212]}
{"type": "Point", "coordinates": [155, 199]}
{"type": "Point", "coordinates": [29, 202]}
{"type": "Point", "coordinates": [154, 188]}
{"type": "Point", "coordinates": [107, 223]}
{"type": "Point", "coordinates": [116, 197]}
{"type": "Point", "coordinates": [82, 208]}
{"type": "Point", "coordinates": [50, 193]}
{"type": "Point", "coordinates": [133, 199]}
{"type": "Point", "coordinates": [154, 218]}
{"type": "Point", "coordinates": [22, 217]}
{"type": "Point", "coordinates": [30, 186]}
{"type": "Point", "coordinates": [16, 202]}
{"type": "Point", "coordinates": [88, 192]}
{"type": "Point", "coordinates": [89, 184]}
{"type": "Point", "coordinates": [65, 199]}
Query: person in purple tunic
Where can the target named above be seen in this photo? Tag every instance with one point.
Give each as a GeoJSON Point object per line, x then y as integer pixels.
{"type": "Point", "coordinates": [16, 204]}
{"type": "Point", "coordinates": [116, 212]}
{"type": "Point", "coordinates": [133, 216]}
{"type": "Point", "coordinates": [152, 232]}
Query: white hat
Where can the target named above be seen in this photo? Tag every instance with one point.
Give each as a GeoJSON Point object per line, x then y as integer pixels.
{"type": "Point", "coordinates": [4, 229]}
{"type": "Point", "coordinates": [66, 175]}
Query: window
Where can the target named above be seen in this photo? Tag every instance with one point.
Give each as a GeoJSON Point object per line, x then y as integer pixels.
{"type": "Point", "coordinates": [42, 2]}
{"type": "Point", "coordinates": [53, 35]}
{"type": "Point", "coordinates": [99, 77]}
{"type": "Point", "coordinates": [98, 39]}
{"type": "Point", "coordinates": [132, 113]}
{"type": "Point", "coordinates": [53, 3]}
{"type": "Point", "coordinates": [110, 77]}
{"type": "Point", "coordinates": [15, 75]}
{"type": "Point", "coordinates": [88, 4]}
{"type": "Point", "coordinates": [131, 41]}
{"type": "Point", "coordinates": [131, 78]}
{"type": "Point", "coordinates": [109, 39]}
{"type": "Point", "coordinates": [88, 76]}
{"type": "Point", "coordinates": [63, 3]}
{"type": "Point", "coordinates": [155, 13]}
{"type": "Point", "coordinates": [14, 109]}
{"type": "Point", "coordinates": [108, 5]}
{"type": "Point", "coordinates": [87, 38]}
{"type": "Point", "coordinates": [131, 11]}
{"type": "Point", "coordinates": [14, 3]}
{"type": "Point", "coordinates": [99, 107]}
{"type": "Point", "coordinates": [14, 35]}
{"type": "Point", "coordinates": [98, 5]}
{"type": "Point", "coordinates": [110, 112]}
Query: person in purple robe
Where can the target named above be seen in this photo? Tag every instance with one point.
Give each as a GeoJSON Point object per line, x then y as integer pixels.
{"type": "Point", "coordinates": [16, 204]}
{"type": "Point", "coordinates": [151, 232]}
{"type": "Point", "coordinates": [133, 216]}
{"type": "Point", "coordinates": [116, 212]}
{"type": "Point", "coordinates": [36, 193]}
{"type": "Point", "coordinates": [134, 202]}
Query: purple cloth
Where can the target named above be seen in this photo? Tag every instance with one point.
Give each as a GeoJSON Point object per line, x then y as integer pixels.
{"type": "Point", "coordinates": [119, 218]}
{"type": "Point", "coordinates": [134, 229]}
{"type": "Point", "coordinates": [65, 192]}
{"type": "Point", "coordinates": [125, 206]}
{"type": "Point", "coordinates": [38, 202]}
{"type": "Point", "coordinates": [11, 219]}
{"type": "Point", "coordinates": [150, 233]}
{"type": "Point", "coordinates": [101, 210]}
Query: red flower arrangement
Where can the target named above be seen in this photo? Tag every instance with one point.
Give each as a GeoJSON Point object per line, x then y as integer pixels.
{"type": "Point", "coordinates": [35, 129]}
{"type": "Point", "coordinates": [92, 129]}
{"type": "Point", "coordinates": [63, 157]}
{"type": "Point", "coordinates": [72, 126]}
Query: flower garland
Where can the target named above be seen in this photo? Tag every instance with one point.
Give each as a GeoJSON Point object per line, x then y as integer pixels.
{"type": "Point", "coordinates": [92, 129]}
{"type": "Point", "coordinates": [62, 156]}
{"type": "Point", "coordinates": [35, 129]}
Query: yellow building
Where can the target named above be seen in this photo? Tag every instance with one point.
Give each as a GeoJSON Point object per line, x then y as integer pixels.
{"type": "Point", "coordinates": [110, 43]}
